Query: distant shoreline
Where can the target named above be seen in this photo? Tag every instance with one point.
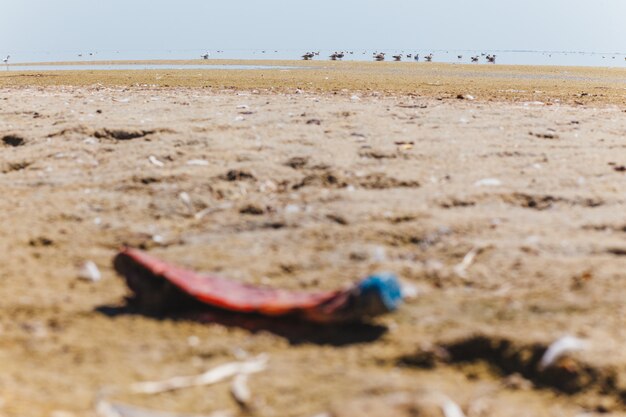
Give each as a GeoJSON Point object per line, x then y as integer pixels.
{"type": "Point", "coordinates": [298, 63]}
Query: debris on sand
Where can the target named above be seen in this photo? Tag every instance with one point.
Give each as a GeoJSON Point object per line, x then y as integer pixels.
{"type": "Point", "coordinates": [212, 376]}
{"type": "Point", "coordinates": [562, 346]}
{"type": "Point", "coordinates": [488, 182]}
{"type": "Point", "coordinates": [13, 140]}
{"type": "Point", "coordinates": [159, 287]}
{"type": "Point", "coordinates": [240, 390]}
{"type": "Point", "coordinates": [198, 162]}
{"type": "Point", "coordinates": [297, 162]}
{"type": "Point", "coordinates": [237, 175]}
{"type": "Point", "coordinates": [125, 134]}
{"type": "Point", "coordinates": [450, 408]}
{"type": "Point", "coordinates": [461, 268]}
{"type": "Point", "coordinates": [89, 272]}
{"type": "Point", "coordinates": [544, 135]}
{"type": "Point", "coordinates": [405, 145]}
{"type": "Point", "coordinates": [154, 161]}
{"type": "Point", "coordinates": [185, 198]}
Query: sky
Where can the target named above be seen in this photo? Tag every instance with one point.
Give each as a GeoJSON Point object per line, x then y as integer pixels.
{"type": "Point", "coordinates": [127, 25]}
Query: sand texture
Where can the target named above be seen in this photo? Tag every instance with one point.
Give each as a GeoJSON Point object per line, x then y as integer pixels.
{"type": "Point", "coordinates": [572, 85]}
{"type": "Point", "coordinates": [505, 214]}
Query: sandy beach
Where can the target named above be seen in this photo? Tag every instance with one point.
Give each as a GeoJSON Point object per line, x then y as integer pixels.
{"type": "Point", "coordinates": [497, 194]}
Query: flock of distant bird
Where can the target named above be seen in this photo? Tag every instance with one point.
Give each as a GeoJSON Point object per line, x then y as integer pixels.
{"type": "Point", "coordinates": [380, 56]}
{"type": "Point", "coordinates": [377, 56]}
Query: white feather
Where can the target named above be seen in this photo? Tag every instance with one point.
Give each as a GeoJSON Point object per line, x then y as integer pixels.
{"type": "Point", "coordinates": [559, 348]}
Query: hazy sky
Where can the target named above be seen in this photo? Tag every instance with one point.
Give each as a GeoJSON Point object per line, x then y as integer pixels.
{"type": "Point", "coordinates": [61, 25]}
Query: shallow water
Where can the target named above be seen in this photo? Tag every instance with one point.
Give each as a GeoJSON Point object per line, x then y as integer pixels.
{"type": "Point", "coordinates": [89, 67]}
{"type": "Point", "coordinates": [508, 57]}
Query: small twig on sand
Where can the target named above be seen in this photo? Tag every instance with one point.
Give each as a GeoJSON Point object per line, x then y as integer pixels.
{"type": "Point", "coordinates": [461, 268]}
{"type": "Point", "coordinates": [210, 377]}
{"type": "Point", "coordinates": [240, 390]}
{"type": "Point", "coordinates": [202, 213]}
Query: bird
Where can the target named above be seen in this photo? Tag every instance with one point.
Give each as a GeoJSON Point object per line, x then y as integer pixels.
{"type": "Point", "coordinates": [475, 58]}
{"type": "Point", "coordinates": [397, 57]}
{"type": "Point", "coordinates": [335, 56]}
{"type": "Point", "coordinates": [491, 59]}
{"type": "Point", "coordinates": [379, 56]}
{"type": "Point", "coordinates": [429, 57]}
{"type": "Point", "coordinates": [205, 56]}
{"type": "Point", "coordinates": [459, 56]}
{"type": "Point", "coordinates": [416, 57]}
{"type": "Point", "coordinates": [308, 55]}
{"type": "Point", "coordinates": [6, 61]}
{"type": "Point", "coordinates": [409, 55]}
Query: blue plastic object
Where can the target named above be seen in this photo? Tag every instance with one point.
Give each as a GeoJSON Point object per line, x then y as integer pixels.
{"type": "Point", "coordinates": [380, 292]}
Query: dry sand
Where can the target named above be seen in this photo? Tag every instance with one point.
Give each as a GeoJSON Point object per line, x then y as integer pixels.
{"type": "Point", "coordinates": [292, 180]}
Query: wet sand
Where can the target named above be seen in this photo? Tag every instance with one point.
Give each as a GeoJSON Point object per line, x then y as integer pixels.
{"type": "Point", "coordinates": [504, 211]}
{"type": "Point", "coordinates": [572, 85]}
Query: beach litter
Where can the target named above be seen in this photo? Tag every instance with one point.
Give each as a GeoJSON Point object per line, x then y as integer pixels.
{"type": "Point", "coordinates": [159, 287]}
